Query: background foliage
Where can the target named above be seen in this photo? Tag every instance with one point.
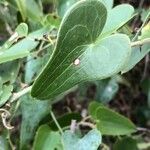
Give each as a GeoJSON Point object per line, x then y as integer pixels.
{"type": "Point", "coordinates": [112, 113]}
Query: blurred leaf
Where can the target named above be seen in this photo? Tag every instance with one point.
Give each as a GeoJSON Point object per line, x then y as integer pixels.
{"type": "Point", "coordinates": [32, 113]}
{"type": "Point", "coordinates": [126, 143]}
{"type": "Point", "coordinates": [90, 141]}
{"type": "Point", "coordinates": [22, 29]}
{"type": "Point", "coordinates": [112, 123]}
{"type": "Point", "coordinates": [22, 8]}
{"type": "Point", "coordinates": [115, 19]}
{"type": "Point", "coordinates": [30, 9]}
{"type": "Point", "coordinates": [106, 90]}
{"type": "Point", "coordinates": [23, 47]}
{"type": "Point", "coordinates": [144, 13]}
{"type": "Point", "coordinates": [9, 71]}
{"type": "Point", "coordinates": [80, 59]}
{"type": "Point", "coordinates": [5, 93]}
{"type": "Point", "coordinates": [145, 33]}
{"type": "Point", "coordinates": [34, 66]}
{"type": "Point", "coordinates": [46, 139]}
{"type": "Point", "coordinates": [20, 32]}
{"type": "Point", "coordinates": [3, 143]}
{"type": "Point", "coordinates": [64, 5]}
{"type": "Point", "coordinates": [65, 120]}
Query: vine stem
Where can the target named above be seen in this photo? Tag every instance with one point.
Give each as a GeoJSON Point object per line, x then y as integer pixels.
{"type": "Point", "coordinates": [138, 32]}
{"type": "Point", "coordinates": [56, 122]}
{"type": "Point", "coordinates": [16, 96]}
{"type": "Point", "coordinates": [140, 42]}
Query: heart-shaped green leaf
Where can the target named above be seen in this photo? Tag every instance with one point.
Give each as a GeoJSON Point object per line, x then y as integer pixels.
{"type": "Point", "coordinates": [80, 55]}
{"type": "Point", "coordinates": [90, 141]}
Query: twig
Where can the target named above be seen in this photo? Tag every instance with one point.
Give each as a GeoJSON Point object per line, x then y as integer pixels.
{"type": "Point", "coordinates": [88, 124]}
{"type": "Point", "coordinates": [73, 126]}
{"type": "Point", "coordinates": [143, 129]}
{"type": "Point", "coordinates": [4, 117]}
{"type": "Point", "coordinates": [140, 42]}
{"type": "Point", "coordinates": [56, 122]}
{"type": "Point", "coordinates": [136, 19]}
{"type": "Point", "coordinates": [138, 32]}
{"type": "Point", "coordinates": [145, 67]}
{"type": "Point", "coordinates": [16, 96]}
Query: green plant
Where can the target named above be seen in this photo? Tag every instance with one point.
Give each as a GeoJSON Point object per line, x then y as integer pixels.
{"type": "Point", "coordinates": [90, 46]}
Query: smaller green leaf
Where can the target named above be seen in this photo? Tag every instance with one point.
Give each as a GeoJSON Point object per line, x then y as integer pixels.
{"type": "Point", "coordinates": [117, 17]}
{"type": "Point", "coordinates": [22, 30]}
{"type": "Point", "coordinates": [112, 123]}
{"type": "Point", "coordinates": [90, 141]}
{"type": "Point", "coordinates": [32, 113]}
{"type": "Point", "coordinates": [46, 139]}
{"type": "Point", "coordinates": [9, 71]}
{"type": "Point", "coordinates": [5, 93]}
{"type": "Point", "coordinates": [126, 143]}
{"type": "Point", "coordinates": [23, 47]}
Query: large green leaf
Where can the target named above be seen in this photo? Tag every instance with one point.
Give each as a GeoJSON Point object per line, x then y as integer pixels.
{"type": "Point", "coordinates": [23, 47]}
{"type": "Point", "coordinates": [46, 139]}
{"type": "Point", "coordinates": [32, 113]}
{"type": "Point", "coordinates": [90, 141]}
{"type": "Point", "coordinates": [80, 55]}
{"type": "Point", "coordinates": [112, 123]}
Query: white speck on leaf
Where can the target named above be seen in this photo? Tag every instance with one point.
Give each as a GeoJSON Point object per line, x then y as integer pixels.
{"type": "Point", "coordinates": [77, 62]}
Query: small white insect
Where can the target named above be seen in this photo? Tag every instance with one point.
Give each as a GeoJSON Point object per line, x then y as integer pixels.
{"type": "Point", "coordinates": [77, 62]}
